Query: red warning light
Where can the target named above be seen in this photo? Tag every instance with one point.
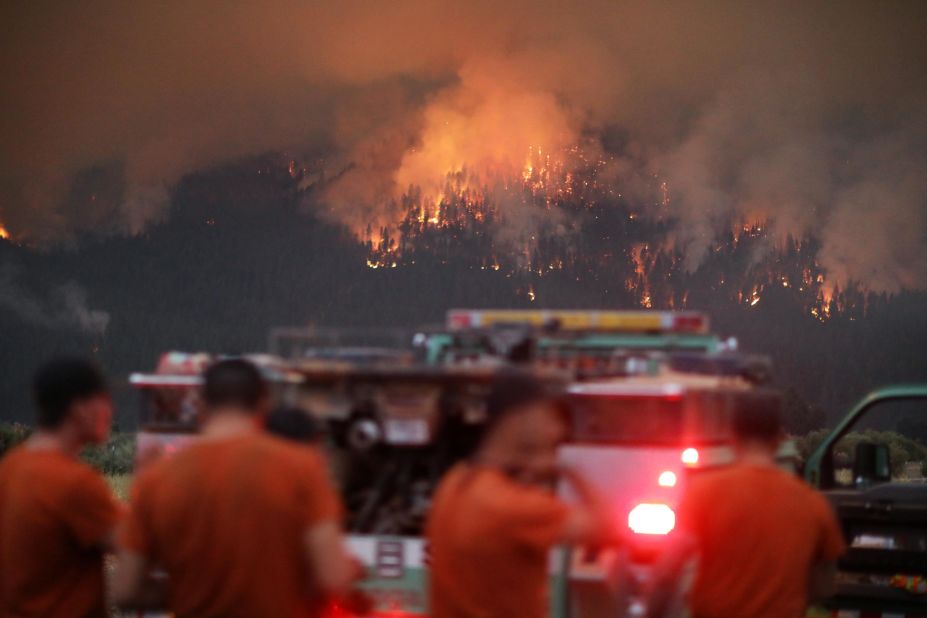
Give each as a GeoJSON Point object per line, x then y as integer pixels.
{"type": "Point", "coordinates": [651, 518]}
{"type": "Point", "coordinates": [690, 456]}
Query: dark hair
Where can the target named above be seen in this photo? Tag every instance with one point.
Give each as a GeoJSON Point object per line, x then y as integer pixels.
{"type": "Point", "coordinates": [758, 415]}
{"type": "Point", "coordinates": [61, 382]}
{"type": "Point", "coordinates": [293, 424]}
{"type": "Point", "coordinates": [511, 391]}
{"type": "Point", "coordinates": [233, 383]}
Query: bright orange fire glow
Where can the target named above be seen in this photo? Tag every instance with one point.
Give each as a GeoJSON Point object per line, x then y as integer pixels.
{"type": "Point", "coordinates": [382, 251]}
{"type": "Point", "coordinates": [471, 195]}
{"type": "Point", "coordinates": [824, 307]}
{"type": "Point", "coordinates": [747, 229]}
{"type": "Point", "coordinates": [640, 257]}
{"type": "Point", "coordinates": [486, 165]}
{"type": "Point", "coordinates": [4, 233]}
{"type": "Point", "coordinates": [826, 300]}
{"type": "Point", "coordinates": [483, 130]}
{"type": "Point", "coordinates": [488, 148]}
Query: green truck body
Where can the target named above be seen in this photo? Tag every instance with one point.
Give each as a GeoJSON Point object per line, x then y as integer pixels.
{"type": "Point", "coordinates": [883, 515]}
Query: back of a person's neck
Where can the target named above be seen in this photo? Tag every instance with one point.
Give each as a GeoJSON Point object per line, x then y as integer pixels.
{"type": "Point", "coordinates": [756, 456]}
{"type": "Point", "coordinates": [228, 423]}
{"type": "Point", "coordinates": [490, 458]}
{"type": "Point", "coordinates": [57, 440]}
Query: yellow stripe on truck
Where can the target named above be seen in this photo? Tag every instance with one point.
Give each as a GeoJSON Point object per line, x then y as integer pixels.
{"type": "Point", "coordinates": [630, 321]}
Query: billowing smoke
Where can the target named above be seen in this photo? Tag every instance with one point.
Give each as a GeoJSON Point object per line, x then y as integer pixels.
{"type": "Point", "coordinates": [811, 116]}
{"type": "Point", "coordinates": [761, 153]}
{"type": "Point", "coordinates": [62, 307]}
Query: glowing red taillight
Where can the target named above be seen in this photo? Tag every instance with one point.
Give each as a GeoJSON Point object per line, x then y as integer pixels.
{"type": "Point", "coordinates": [690, 456]}
{"type": "Point", "coordinates": [651, 518]}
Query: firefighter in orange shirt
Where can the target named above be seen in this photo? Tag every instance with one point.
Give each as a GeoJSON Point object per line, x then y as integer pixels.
{"type": "Point", "coordinates": [495, 518]}
{"type": "Point", "coordinates": [766, 543]}
{"type": "Point", "coordinates": [243, 523]}
{"type": "Point", "coordinates": [57, 515]}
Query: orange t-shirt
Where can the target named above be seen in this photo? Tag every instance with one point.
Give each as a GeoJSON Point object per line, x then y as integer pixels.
{"type": "Point", "coordinates": [55, 514]}
{"type": "Point", "coordinates": [489, 539]}
{"type": "Point", "coordinates": [759, 532]}
{"type": "Point", "coordinates": [226, 519]}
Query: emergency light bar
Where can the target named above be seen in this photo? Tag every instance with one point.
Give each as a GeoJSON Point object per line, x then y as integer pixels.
{"type": "Point", "coordinates": [687, 322]}
{"type": "Point", "coordinates": [155, 380]}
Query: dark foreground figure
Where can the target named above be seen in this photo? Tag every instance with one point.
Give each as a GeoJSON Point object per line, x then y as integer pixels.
{"type": "Point", "coordinates": [243, 523]}
{"type": "Point", "coordinates": [765, 542]}
{"type": "Point", "coordinates": [57, 515]}
{"type": "Point", "coordinates": [495, 518]}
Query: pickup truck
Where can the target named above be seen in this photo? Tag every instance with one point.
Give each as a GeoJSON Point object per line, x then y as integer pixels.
{"type": "Point", "coordinates": [871, 467]}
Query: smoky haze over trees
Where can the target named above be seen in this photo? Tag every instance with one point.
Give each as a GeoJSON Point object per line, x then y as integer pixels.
{"type": "Point", "coordinates": [764, 161]}
{"type": "Point", "coordinates": [242, 252]}
{"type": "Point", "coordinates": [813, 116]}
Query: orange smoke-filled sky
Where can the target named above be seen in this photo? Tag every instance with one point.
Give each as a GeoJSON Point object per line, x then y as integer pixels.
{"type": "Point", "coordinates": [811, 113]}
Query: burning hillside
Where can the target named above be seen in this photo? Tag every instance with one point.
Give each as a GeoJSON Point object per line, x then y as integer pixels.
{"type": "Point", "coordinates": [563, 215]}
{"type": "Point", "coordinates": [502, 168]}
{"type": "Point", "coordinates": [496, 120]}
{"type": "Point", "coordinates": [516, 205]}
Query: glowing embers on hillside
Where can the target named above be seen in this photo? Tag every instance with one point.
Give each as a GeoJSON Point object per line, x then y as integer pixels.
{"type": "Point", "coordinates": [639, 284]}
{"type": "Point", "coordinates": [485, 199]}
{"type": "Point", "coordinates": [753, 298]}
{"type": "Point", "coordinates": [825, 304]}
{"type": "Point", "coordinates": [558, 219]}
{"type": "Point", "coordinates": [4, 233]}
{"type": "Point", "coordinates": [382, 250]}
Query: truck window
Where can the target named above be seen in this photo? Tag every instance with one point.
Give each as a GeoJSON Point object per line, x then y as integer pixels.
{"type": "Point", "coordinates": [628, 420]}
{"type": "Point", "coordinates": [168, 408]}
{"type": "Point", "coordinates": [899, 424]}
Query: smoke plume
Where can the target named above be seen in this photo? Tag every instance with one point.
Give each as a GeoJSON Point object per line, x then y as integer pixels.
{"type": "Point", "coordinates": [61, 307]}
{"type": "Point", "coordinates": [812, 116]}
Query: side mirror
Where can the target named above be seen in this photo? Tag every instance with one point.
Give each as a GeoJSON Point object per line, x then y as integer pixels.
{"type": "Point", "coordinates": [872, 464]}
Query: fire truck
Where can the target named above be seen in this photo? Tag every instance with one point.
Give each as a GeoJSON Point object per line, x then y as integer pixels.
{"type": "Point", "coordinates": [650, 395]}
{"type": "Point", "coordinates": [392, 430]}
{"type": "Point", "coordinates": [169, 401]}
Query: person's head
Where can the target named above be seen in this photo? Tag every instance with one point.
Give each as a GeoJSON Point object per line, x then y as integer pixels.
{"type": "Point", "coordinates": [526, 422]}
{"type": "Point", "coordinates": [234, 386]}
{"type": "Point", "coordinates": [757, 421]}
{"type": "Point", "coordinates": [292, 424]}
{"type": "Point", "coordinates": [71, 394]}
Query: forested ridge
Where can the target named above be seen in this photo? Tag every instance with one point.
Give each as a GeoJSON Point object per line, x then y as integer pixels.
{"type": "Point", "coordinates": [241, 252]}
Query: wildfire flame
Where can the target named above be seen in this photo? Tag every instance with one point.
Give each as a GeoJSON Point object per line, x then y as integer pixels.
{"type": "Point", "coordinates": [640, 282]}
{"type": "Point", "coordinates": [825, 304]}
{"type": "Point", "coordinates": [471, 197]}
{"type": "Point", "coordinates": [491, 149]}
{"type": "Point", "coordinates": [4, 233]}
{"type": "Point", "coordinates": [506, 180]}
{"type": "Point", "coordinates": [467, 210]}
